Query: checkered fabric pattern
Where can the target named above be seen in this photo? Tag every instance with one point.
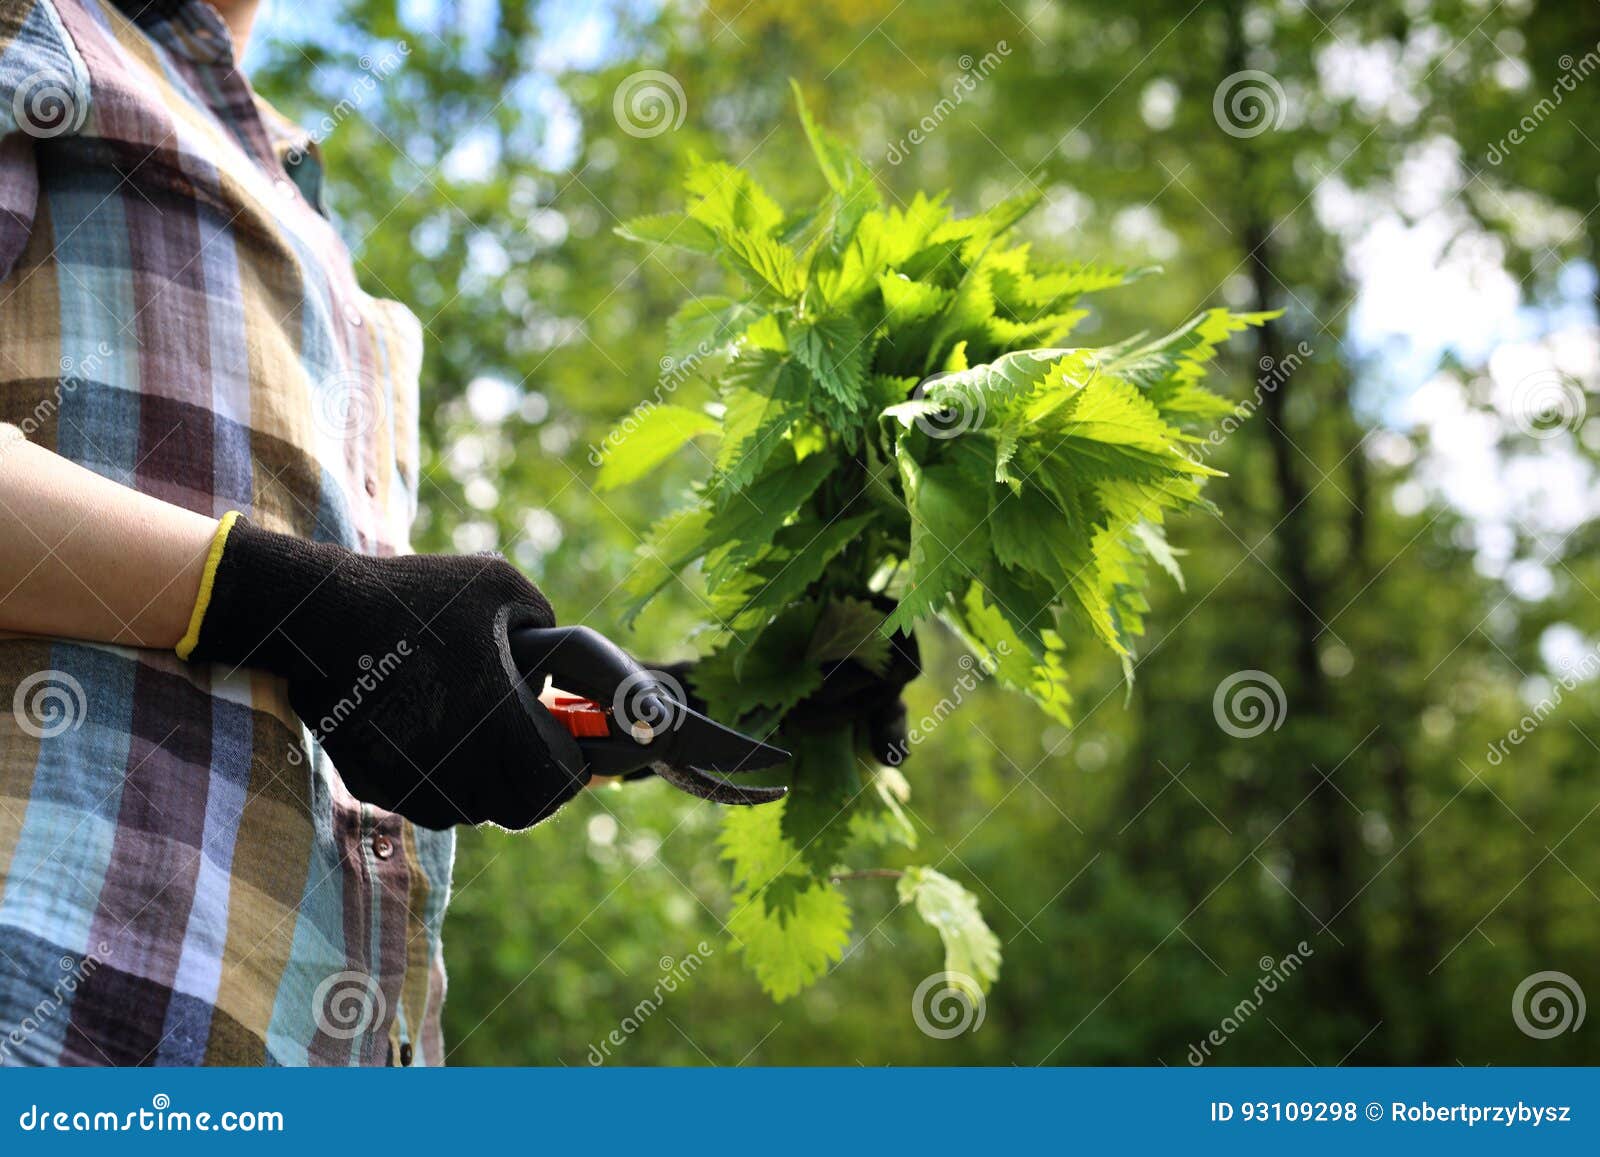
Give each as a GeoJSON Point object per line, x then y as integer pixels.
{"type": "Point", "coordinates": [183, 877]}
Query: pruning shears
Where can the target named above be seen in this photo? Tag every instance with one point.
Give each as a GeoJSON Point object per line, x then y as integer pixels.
{"type": "Point", "coordinates": [628, 719]}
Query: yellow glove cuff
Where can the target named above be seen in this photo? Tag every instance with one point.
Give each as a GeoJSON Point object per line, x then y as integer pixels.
{"type": "Point", "coordinates": [208, 578]}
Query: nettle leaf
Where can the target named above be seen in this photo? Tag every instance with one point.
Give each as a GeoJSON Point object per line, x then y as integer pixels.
{"type": "Point", "coordinates": [887, 823]}
{"type": "Point", "coordinates": [678, 230]}
{"type": "Point", "coordinates": [950, 540]}
{"type": "Point", "coordinates": [791, 948]}
{"type": "Point", "coordinates": [848, 629]}
{"type": "Point", "coordinates": [900, 420]}
{"type": "Point", "coordinates": [824, 788]}
{"type": "Point", "coordinates": [745, 523]}
{"type": "Point", "coordinates": [758, 673]}
{"type": "Point", "coordinates": [766, 263]}
{"type": "Point", "coordinates": [970, 948]}
{"type": "Point", "coordinates": [835, 350]}
{"type": "Point", "coordinates": [798, 557]}
{"type": "Point", "coordinates": [702, 327]}
{"type": "Point", "coordinates": [727, 200]}
{"type": "Point", "coordinates": [652, 435]}
{"type": "Point", "coordinates": [671, 544]}
{"type": "Point", "coordinates": [906, 301]}
{"type": "Point", "coordinates": [765, 395]}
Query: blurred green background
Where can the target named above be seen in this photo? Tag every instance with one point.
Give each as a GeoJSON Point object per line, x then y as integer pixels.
{"type": "Point", "coordinates": [1407, 547]}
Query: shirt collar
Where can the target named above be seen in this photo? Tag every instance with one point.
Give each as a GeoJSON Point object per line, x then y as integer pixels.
{"type": "Point", "coordinates": [190, 26]}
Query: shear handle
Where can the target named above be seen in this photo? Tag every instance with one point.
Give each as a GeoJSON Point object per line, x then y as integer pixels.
{"type": "Point", "coordinates": [580, 660]}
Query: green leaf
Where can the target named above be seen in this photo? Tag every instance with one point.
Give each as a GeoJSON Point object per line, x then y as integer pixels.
{"type": "Point", "coordinates": [765, 396]}
{"type": "Point", "coordinates": [971, 950]}
{"type": "Point", "coordinates": [791, 949]}
{"type": "Point", "coordinates": [671, 544]}
{"type": "Point", "coordinates": [740, 680]}
{"type": "Point", "coordinates": [678, 230]}
{"type": "Point", "coordinates": [949, 538]}
{"type": "Point", "coordinates": [650, 436]}
{"type": "Point", "coordinates": [727, 200]}
{"type": "Point", "coordinates": [838, 163]}
{"type": "Point", "coordinates": [799, 556]}
{"type": "Point", "coordinates": [835, 350]}
{"type": "Point", "coordinates": [848, 629]}
{"type": "Point", "coordinates": [765, 262]}
{"type": "Point", "coordinates": [745, 523]}
{"type": "Point", "coordinates": [753, 843]}
{"type": "Point", "coordinates": [825, 784]}
{"type": "Point", "coordinates": [1154, 541]}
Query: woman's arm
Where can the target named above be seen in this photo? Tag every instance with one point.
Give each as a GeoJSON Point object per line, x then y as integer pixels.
{"type": "Point", "coordinates": [86, 558]}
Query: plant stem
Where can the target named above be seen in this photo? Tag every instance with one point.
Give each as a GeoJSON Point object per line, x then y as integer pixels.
{"type": "Point", "coordinates": [867, 874]}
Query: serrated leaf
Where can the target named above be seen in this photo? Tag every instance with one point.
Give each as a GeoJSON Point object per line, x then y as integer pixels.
{"type": "Point", "coordinates": [1154, 541]}
{"type": "Point", "coordinates": [671, 544]}
{"type": "Point", "coordinates": [765, 396]}
{"type": "Point", "coordinates": [678, 230]}
{"type": "Point", "coordinates": [970, 948]}
{"type": "Point", "coordinates": [649, 437]}
{"type": "Point", "coordinates": [835, 350]}
{"type": "Point", "coordinates": [739, 681]}
{"type": "Point", "coordinates": [790, 950]}
{"type": "Point", "coordinates": [848, 629]}
{"type": "Point", "coordinates": [949, 539]}
{"type": "Point", "coordinates": [727, 200]}
{"type": "Point", "coordinates": [744, 523]}
{"type": "Point", "coordinates": [765, 262]}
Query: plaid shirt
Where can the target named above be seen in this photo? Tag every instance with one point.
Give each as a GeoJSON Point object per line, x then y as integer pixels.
{"type": "Point", "coordinates": [183, 877]}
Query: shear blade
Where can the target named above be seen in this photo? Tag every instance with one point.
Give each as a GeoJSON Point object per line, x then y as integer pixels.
{"type": "Point", "coordinates": [698, 783]}
{"type": "Point", "coordinates": [702, 743]}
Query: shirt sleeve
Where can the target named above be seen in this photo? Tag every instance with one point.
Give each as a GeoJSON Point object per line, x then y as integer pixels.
{"type": "Point", "coordinates": [44, 94]}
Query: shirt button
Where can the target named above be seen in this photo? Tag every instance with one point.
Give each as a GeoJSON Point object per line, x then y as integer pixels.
{"type": "Point", "coordinates": [382, 846]}
{"type": "Point", "coordinates": [406, 1054]}
{"type": "Point", "coordinates": [352, 315]}
{"type": "Point", "coordinates": [372, 487]}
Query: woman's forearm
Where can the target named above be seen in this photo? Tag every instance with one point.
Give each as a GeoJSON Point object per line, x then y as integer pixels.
{"type": "Point", "coordinates": [84, 557]}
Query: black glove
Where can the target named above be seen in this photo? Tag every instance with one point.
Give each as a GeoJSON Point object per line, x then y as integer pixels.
{"type": "Point", "coordinates": [400, 666]}
{"type": "Point", "coordinates": [853, 692]}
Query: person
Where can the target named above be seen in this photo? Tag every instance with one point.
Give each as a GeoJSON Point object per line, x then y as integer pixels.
{"type": "Point", "coordinates": [245, 719]}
